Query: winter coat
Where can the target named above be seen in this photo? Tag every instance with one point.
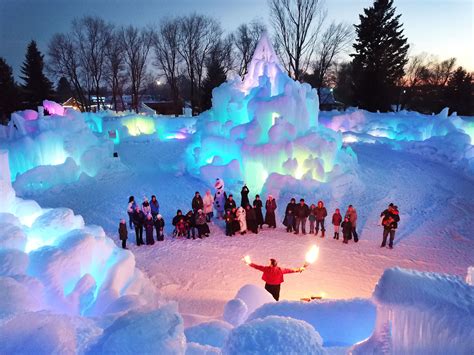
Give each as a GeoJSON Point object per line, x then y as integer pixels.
{"type": "Point", "coordinates": [229, 218]}
{"type": "Point", "coordinates": [197, 203]}
{"type": "Point", "coordinates": [229, 205]}
{"type": "Point", "coordinates": [320, 213]}
{"type": "Point", "coordinates": [258, 205]}
{"type": "Point", "coordinates": [149, 231]}
{"type": "Point", "coordinates": [336, 219]}
{"type": "Point", "coordinates": [270, 206]}
{"type": "Point", "coordinates": [201, 219]}
{"type": "Point", "coordinates": [146, 208]}
{"type": "Point", "coordinates": [131, 207]}
{"type": "Point", "coordinates": [138, 218]}
{"type": "Point", "coordinates": [123, 233]}
{"type": "Point", "coordinates": [244, 202]}
{"type": "Point", "coordinates": [190, 221]}
{"type": "Point", "coordinates": [220, 198]}
{"type": "Point", "coordinates": [155, 207]}
{"type": "Point", "coordinates": [352, 215]}
{"type": "Point", "coordinates": [250, 214]}
{"type": "Point", "coordinates": [301, 211]}
{"type": "Point", "coordinates": [159, 223]}
{"type": "Point", "coordinates": [290, 209]}
{"type": "Point", "coordinates": [181, 226]}
{"type": "Point", "coordinates": [346, 228]}
{"type": "Point", "coordinates": [241, 217]}
{"type": "Point", "coordinates": [176, 219]}
{"type": "Point", "coordinates": [273, 275]}
{"type": "Point", "coordinates": [390, 219]}
{"type": "Point", "coordinates": [208, 202]}
{"type": "Point", "coordinates": [312, 214]}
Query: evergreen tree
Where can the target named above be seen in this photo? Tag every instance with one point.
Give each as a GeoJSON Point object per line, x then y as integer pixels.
{"type": "Point", "coordinates": [63, 90]}
{"type": "Point", "coordinates": [216, 75]}
{"type": "Point", "coordinates": [459, 93]}
{"type": "Point", "coordinates": [380, 57]}
{"type": "Point", "coordinates": [8, 92]}
{"type": "Point", "coordinates": [37, 86]}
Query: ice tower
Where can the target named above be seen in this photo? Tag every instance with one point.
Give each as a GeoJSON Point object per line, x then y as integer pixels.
{"type": "Point", "coordinates": [265, 124]}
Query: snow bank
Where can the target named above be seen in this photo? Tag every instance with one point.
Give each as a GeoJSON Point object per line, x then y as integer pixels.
{"type": "Point", "coordinates": [198, 349]}
{"type": "Point", "coordinates": [253, 296]}
{"type": "Point", "coordinates": [148, 332]}
{"type": "Point", "coordinates": [266, 124]}
{"type": "Point", "coordinates": [274, 335]}
{"type": "Point", "coordinates": [421, 312]}
{"type": "Point", "coordinates": [235, 311]}
{"type": "Point", "coordinates": [340, 323]}
{"type": "Point", "coordinates": [212, 333]}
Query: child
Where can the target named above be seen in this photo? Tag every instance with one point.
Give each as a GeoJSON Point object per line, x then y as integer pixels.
{"type": "Point", "coordinates": [191, 224]}
{"type": "Point", "coordinates": [346, 229]}
{"type": "Point", "coordinates": [181, 227]}
{"type": "Point", "coordinates": [336, 222]}
{"type": "Point", "coordinates": [176, 220]}
{"type": "Point", "coordinates": [159, 226]}
{"type": "Point", "coordinates": [229, 223]}
{"type": "Point", "coordinates": [123, 234]}
{"type": "Point", "coordinates": [312, 217]}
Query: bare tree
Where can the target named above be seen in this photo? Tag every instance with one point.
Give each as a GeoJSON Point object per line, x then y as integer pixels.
{"type": "Point", "coordinates": [136, 44]}
{"type": "Point", "coordinates": [167, 56]}
{"type": "Point", "coordinates": [334, 40]}
{"type": "Point", "coordinates": [198, 34]}
{"type": "Point", "coordinates": [297, 25]}
{"type": "Point", "coordinates": [114, 69]}
{"type": "Point", "coordinates": [64, 61]}
{"type": "Point", "coordinates": [246, 38]}
{"type": "Point", "coordinates": [92, 36]}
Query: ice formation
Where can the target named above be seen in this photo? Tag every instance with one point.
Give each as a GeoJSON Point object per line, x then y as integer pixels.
{"type": "Point", "coordinates": [45, 151]}
{"type": "Point", "coordinates": [266, 124]}
{"type": "Point", "coordinates": [52, 261]}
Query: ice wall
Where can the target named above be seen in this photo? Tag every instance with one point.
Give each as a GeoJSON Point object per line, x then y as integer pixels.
{"type": "Point", "coordinates": [266, 124]}
{"type": "Point", "coordinates": [421, 313]}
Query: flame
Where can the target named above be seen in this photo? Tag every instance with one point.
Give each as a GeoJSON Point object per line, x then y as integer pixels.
{"type": "Point", "coordinates": [312, 254]}
{"type": "Point", "coordinates": [247, 259]}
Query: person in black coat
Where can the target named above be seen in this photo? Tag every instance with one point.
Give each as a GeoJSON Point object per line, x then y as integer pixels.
{"type": "Point", "coordinates": [123, 233]}
{"type": "Point", "coordinates": [251, 219]}
{"type": "Point", "coordinates": [191, 224]}
{"type": "Point", "coordinates": [321, 214]}
{"type": "Point", "coordinates": [244, 193]}
{"type": "Point", "coordinates": [138, 219]}
{"type": "Point", "coordinates": [390, 224]}
{"type": "Point", "coordinates": [289, 220]}
{"type": "Point", "coordinates": [160, 228]}
{"type": "Point", "coordinates": [229, 223]}
{"type": "Point", "coordinates": [301, 214]}
{"type": "Point", "coordinates": [230, 203]}
{"type": "Point", "coordinates": [149, 230]}
{"type": "Point", "coordinates": [270, 207]}
{"type": "Point", "coordinates": [197, 203]}
{"type": "Point", "coordinates": [179, 216]}
{"type": "Point", "coordinates": [258, 205]}
{"type": "Point", "coordinates": [346, 230]}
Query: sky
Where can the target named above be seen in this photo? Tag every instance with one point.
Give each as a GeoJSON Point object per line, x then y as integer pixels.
{"type": "Point", "coordinates": [444, 28]}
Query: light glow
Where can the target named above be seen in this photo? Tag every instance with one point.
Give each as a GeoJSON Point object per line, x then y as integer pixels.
{"type": "Point", "coordinates": [312, 255]}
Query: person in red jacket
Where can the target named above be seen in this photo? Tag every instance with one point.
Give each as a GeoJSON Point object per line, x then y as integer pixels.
{"type": "Point", "coordinates": [273, 276]}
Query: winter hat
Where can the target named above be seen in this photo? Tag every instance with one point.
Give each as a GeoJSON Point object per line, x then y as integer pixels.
{"type": "Point", "coordinates": [159, 216]}
{"type": "Point", "coordinates": [199, 210]}
{"type": "Point", "coordinates": [122, 221]}
{"type": "Point", "coordinates": [391, 205]}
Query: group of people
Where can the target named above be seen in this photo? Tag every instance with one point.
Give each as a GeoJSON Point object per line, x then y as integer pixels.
{"type": "Point", "coordinates": [246, 218]}
{"type": "Point", "coordinates": [296, 216]}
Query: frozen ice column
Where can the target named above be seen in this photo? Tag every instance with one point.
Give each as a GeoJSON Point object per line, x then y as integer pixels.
{"type": "Point", "coordinates": [6, 189]}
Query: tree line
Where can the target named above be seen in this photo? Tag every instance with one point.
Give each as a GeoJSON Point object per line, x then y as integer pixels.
{"type": "Point", "coordinates": [190, 55]}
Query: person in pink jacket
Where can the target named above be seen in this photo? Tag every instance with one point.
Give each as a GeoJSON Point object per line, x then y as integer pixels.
{"type": "Point", "coordinates": [208, 201]}
{"type": "Point", "coordinates": [273, 276]}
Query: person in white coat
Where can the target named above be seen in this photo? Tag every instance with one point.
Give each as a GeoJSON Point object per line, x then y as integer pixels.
{"type": "Point", "coordinates": [241, 214]}
{"type": "Point", "coordinates": [208, 201]}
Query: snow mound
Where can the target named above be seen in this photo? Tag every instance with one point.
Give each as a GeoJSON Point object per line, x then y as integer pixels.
{"type": "Point", "coordinates": [274, 335]}
{"type": "Point", "coordinates": [212, 333]}
{"type": "Point", "coordinates": [470, 276]}
{"type": "Point", "coordinates": [421, 312]}
{"type": "Point", "coordinates": [253, 296]}
{"type": "Point", "coordinates": [266, 124]}
{"type": "Point", "coordinates": [340, 323]}
{"type": "Point", "coordinates": [235, 312]}
{"type": "Point", "coordinates": [198, 349]}
{"type": "Point", "coordinates": [149, 332]}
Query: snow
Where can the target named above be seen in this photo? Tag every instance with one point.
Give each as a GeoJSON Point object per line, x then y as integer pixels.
{"type": "Point", "coordinates": [276, 335]}
{"type": "Point", "coordinates": [235, 311]}
{"type": "Point", "coordinates": [212, 333]}
{"type": "Point", "coordinates": [355, 318]}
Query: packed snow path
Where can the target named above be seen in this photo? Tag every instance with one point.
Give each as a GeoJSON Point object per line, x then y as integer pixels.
{"type": "Point", "coordinates": [435, 232]}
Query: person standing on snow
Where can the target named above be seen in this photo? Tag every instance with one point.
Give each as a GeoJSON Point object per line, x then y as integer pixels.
{"type": "Point", "coordinates": [159, 226]}
{"type": "Point", "coordinates": [154, 206]}
{"type": "Point", "coordinates": [208, 202]}
{"type": "Point", "coordinates": [241, 215]}
{"type": "Point", "coordinates": [336, 222]}
{"type": "Point", "coordinates": [146, 207]}
{"type": "Point", "coordinates": [130, 209]}
{"type": "Point", "coordinates": [244, 193]}
{"type": "Point", "coordinates": [346, 229]}
{"type": "Point", "coordinates": [123, 233]}
{"type": "Point", "coordinates": [201, 224]}
{"type": "Point", "coordinates": [197, 203]}
{"type": "Point", "coordinates": [251, 219]}
{"type": "Point", "coordinates": [270, 206]}
{"type": "Point", "coordinates": [390, 224]}
{"type": "Point", "coordinates": [352, 215]}
{"type": "Point", "coordinates": [273, 276]}
{"type": "Point", "coordinates": [289, 220]}
{"type": "Point", "coordinates": [149, 226]}
{"type": "Point", "coordinates": [301, 213]}
{"type": "Point", "coordinates": [258, 205]}
{"type": "Point", "coordinates": [321, 214]}
{"type": "Point", "coordinates": [138, 219]}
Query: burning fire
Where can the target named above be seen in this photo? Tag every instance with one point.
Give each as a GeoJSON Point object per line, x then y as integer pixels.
{"type": "Point", "coordinates": [312, 255]}
{"type": "Point", "coordinates": [247, 259]}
